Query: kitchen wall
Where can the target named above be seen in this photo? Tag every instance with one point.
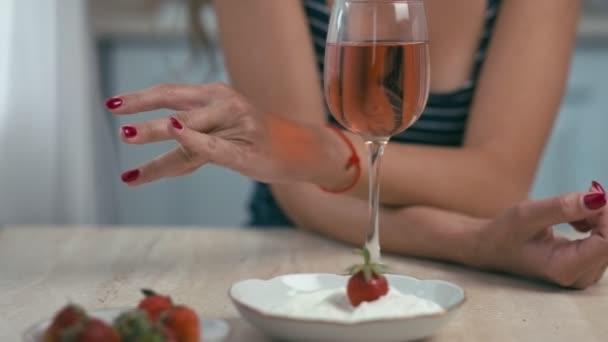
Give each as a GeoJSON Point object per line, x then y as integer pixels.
{"type": "Point", "coordinates": [146, 46]}
{"type": "Point", "coordinates": [576, 152]}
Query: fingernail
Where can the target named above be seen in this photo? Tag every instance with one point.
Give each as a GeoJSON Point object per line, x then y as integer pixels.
{"type": "Point", "coordinates": [130, 176]}
{"type": "Point", "coordinates": [113, 102]}
{"type": "Point", "coordinates": [598, 186]}
{"type": "Point", "coordinates": [129, 131]}
{"type": "Point", "coordinates": [176, 123]}
{"type": "Point", "coordinates": [595, 201]}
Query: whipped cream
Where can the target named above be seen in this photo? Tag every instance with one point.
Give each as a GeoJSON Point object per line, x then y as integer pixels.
{"type": "Point", "coordinates": [333, 305]}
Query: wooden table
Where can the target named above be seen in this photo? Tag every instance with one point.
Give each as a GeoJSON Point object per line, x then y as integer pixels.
{"type": "Point", "coordinates": [42, 267]}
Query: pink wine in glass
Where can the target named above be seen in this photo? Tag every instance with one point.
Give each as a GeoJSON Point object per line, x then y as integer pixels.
{"type": "Point", "coordinates": [377, 89]}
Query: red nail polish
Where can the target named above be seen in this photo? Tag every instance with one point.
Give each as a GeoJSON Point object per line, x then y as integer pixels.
{"type": "Point", "coordinates": [113, 102]}
{"type": "Point", "coordinates": [598, 186]}
{"type": "Point", "coordinates": [130, 176]}
{"type": "Point", "coordinates": [595, 201]}
{"type": "Point", "coordinates": [176, 123]}
{"type": "Point", "coordinates": [129, 131]}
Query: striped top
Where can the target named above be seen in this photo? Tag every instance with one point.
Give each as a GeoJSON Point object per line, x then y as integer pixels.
{"type": "Point", "coordinates": [443, 121]}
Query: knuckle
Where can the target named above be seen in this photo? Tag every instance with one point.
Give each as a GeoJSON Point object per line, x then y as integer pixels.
{"type": "Point", "coordinates": [249, 125]}
{"type": "Point", "coordinates": [237, 105]}
{"type": "Point", "coordinates": [149, 131]}
{"type": "Point", "coordinates": [212, 144]}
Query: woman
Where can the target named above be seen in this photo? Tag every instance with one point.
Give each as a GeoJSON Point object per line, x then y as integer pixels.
{"type": "Point", "coordinates": [490, 60]}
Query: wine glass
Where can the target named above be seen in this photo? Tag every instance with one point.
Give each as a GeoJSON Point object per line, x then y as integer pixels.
{"type": "Point", "coordinates": [376, 78]}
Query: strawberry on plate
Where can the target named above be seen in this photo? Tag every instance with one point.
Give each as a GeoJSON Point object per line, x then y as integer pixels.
{"type": "Point", "coordinates": [135, 325]}
{"type": "Point", "coordinates": [367, 282]}
{"type": "Point", "coordinates": [66, 318]}
{"type": "Point", "coordinates": [96, 330]}
{"type": "Point", "coordinates": [154, 304]}
{"type": "Point", "coordinates": [183, 322]}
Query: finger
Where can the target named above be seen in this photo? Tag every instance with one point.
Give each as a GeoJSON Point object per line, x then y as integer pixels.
{"type": "Point", "coordinates": [166, 96]}
{"type": "Point", "coordinates": [588, 223]}
{"type": "Point", "coordinates": [595, 219]}
{"type": "Point", "coordinates": [572, 207]}
{"type": "Point", "coordinates": [171, 164]}
{"type": "Point", "coordinates": [201, 146]}
{"type": "Point", "coordinates": [591, 275]}
{"type": "Point", "coordinates": [586, 280]}
{"type": "Point", "coordinates": [577, 260]}
{"type": "Point", "coordinates": [597, 187]}
{"type": "Point", "coordinates": [600, 274]}
{"type": "Point", "coordinates": [202, 120]}
{"type": "Point", "coordinates": [601, 226]}
{"type": "Point", "coordinates": [188, 171]}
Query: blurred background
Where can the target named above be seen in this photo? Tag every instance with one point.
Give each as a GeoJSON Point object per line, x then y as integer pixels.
{"type": "Point", "coordinates": [60, 157]}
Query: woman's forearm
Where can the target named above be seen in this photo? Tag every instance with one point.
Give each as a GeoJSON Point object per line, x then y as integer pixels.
{"type": "Point", "coordinates": [465, 180]}
{"type": "Point", "coordinates": [414, 231]}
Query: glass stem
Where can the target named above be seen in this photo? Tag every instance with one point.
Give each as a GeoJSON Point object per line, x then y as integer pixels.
{"type": "Point", "coordinates": [372, 243]}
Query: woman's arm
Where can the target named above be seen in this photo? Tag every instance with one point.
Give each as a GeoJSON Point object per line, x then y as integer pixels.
{"type": "Point", "coordinates": [518, 95]}
{"type": "Point", "coordinates": [414, 231]}
{"type": "Point", "coordinates": [520, 240]}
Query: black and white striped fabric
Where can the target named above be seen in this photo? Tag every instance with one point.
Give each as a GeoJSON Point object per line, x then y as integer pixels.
{"type": "Point", "coordinates": [442, 123]}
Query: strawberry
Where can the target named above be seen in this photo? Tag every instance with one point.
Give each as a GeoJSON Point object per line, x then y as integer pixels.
{"type": "Point", "coordinates": [184, 323]}
{"type": "Point", "coordinates": [68, 317]}
{"type": "Point", "coordinates": [154, 304]}
{"type": "Point", "coordinates": [367, 283]}
{"type": "Point", "coordinates": [134, 326]}
{"type": "Point", "coordinates": [167, 333]}
{"type": "Point", "coordinates": [96, 330]}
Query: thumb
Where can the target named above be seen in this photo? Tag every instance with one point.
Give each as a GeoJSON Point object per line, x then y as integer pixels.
{"type": "Point", "coordinates": [536, 214]}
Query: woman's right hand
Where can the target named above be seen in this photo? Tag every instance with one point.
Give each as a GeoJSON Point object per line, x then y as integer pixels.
{"type": "Point", "coordinates": [522, 240]}
{"type": "Point", "coordinates": [213, 123]}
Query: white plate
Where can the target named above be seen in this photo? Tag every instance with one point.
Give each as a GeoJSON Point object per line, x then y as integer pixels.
{"type": "Point", "coordinates": [214, 330]}
{"type": "Point", "coordinates": [254, 299]}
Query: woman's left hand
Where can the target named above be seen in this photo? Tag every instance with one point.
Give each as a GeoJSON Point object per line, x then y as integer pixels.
{"type": "Point", "coordinates": [522, 241]}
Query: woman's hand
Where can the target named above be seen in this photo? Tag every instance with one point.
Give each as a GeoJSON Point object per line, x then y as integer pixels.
{"type": "Point", "coordinates": [522, 239]}
{"type": "Point", "coordinates": [214, 124]}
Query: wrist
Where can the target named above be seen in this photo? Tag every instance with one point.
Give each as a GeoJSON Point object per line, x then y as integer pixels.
{"type": "Point", "coordinates": [472, 245]}
{"type": "Point", "coordinates": [339, 165]}
{"type": "Point", "coordinates": [434, 233]}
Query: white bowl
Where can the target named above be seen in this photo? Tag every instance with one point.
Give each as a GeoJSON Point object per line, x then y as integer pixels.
{"type": "Point", "coordinates": [214, 330]}
{"type": "Point", "coordinates": [255, 298]}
